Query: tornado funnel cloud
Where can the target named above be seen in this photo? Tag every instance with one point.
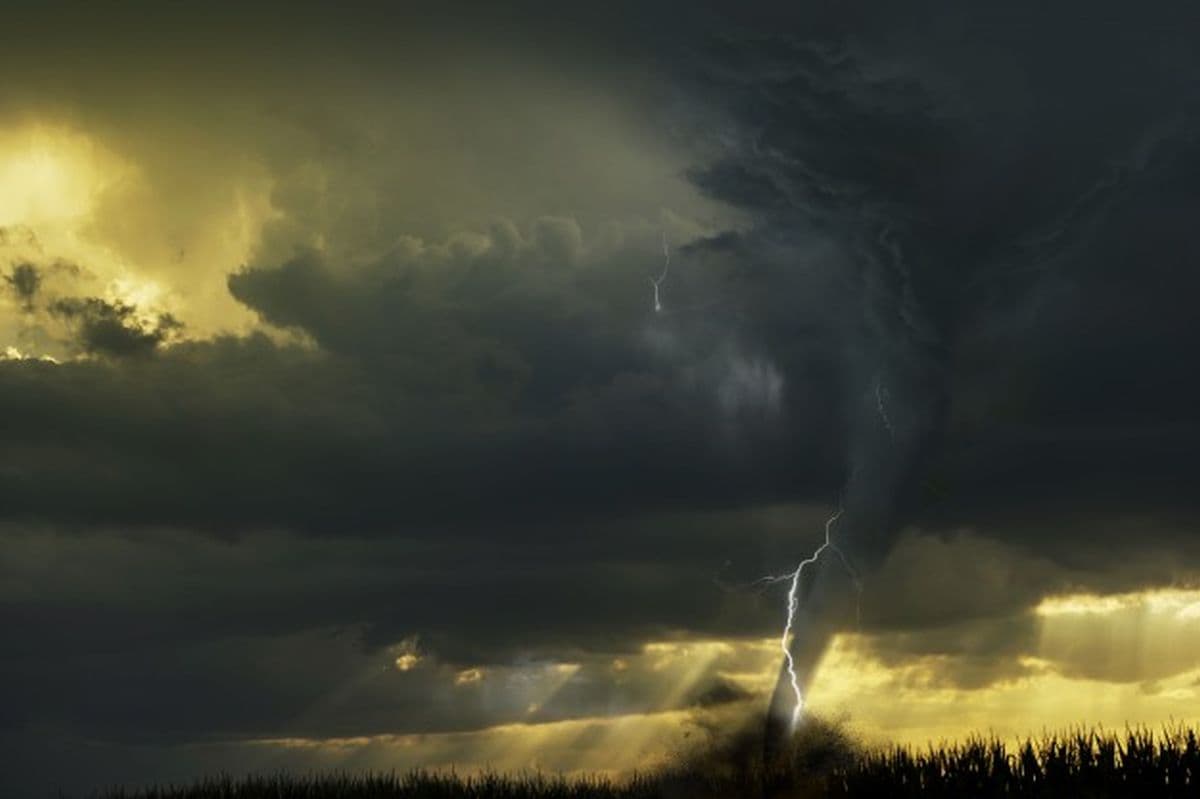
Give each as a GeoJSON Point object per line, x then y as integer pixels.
{"type": "Point", "coordinates": [858, 535]}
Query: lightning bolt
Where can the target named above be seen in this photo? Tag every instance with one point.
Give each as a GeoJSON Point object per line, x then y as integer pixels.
{"type": "Point", "coordinates": [666, 268]}
{"type": "Point", "coordinates": [793, 604]}
{"type": "Point", "coordinates": [656, 285]}
{"type": "Point", "coordinates": [793, 578]}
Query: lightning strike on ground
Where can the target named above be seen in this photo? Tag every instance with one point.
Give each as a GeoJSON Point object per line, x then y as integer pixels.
{"type": "Point", "coordinates": [793, 603]}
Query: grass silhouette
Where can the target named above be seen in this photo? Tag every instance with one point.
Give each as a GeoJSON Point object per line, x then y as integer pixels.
{"type": "Point", "coordinates": [823, 761]}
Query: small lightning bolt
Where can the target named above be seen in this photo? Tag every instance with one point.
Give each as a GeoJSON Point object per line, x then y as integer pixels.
{"type": "Point", "coordinates": [793, 603]}
{"type": "Point", "coordinates": [676, 309]}
{"type": "Point", "coordinates": [666, 268]}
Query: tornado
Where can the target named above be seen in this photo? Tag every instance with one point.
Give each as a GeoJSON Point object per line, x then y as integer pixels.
{"type": "Point", "coordinates": [908, 202]}
{"type": "Point", "coordinates": [886, 456]}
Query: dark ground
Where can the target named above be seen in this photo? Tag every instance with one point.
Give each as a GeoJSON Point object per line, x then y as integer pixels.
{"type": "Point", "coordinates": [824, 762]}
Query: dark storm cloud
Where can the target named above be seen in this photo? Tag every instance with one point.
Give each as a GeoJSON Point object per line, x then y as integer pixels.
{"type": "Point", "coordinates": [113, 328]}
{"type": "Point", "coordinates": [1013, 215]}
{"type": "Point", "coordinates": [912, 176]}
{"type": "Point", "coordinates": [24, 281]}
{"type": "Point", "coordinates": [326, 614]}
{"type": "Point", "coordinates": [530, 387]}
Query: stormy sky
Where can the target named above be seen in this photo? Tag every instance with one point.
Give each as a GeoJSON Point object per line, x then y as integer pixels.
{"type": "Point", "coordinates": [340, 428]}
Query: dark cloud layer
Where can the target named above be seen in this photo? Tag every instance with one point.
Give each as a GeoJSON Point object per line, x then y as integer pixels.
{"type": "Point", "coordinates": [532, 393]}
{"type": "Point", "coordinates": [24, 281]}
{"type": "Point", "coordinates": [959, 296]}
{"type": "Point", "coordinates": [112, 328]}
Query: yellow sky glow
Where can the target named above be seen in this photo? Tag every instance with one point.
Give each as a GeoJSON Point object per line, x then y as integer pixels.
{"type": "Point", "coordinates": [904, 702]}
{"type": "Point", "coordinates": [69, 199]}
{"type": "Point", "coordinates": [51, 176]}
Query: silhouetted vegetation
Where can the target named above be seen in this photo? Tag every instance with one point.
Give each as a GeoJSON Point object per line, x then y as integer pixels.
{"type": "Point", "coordinates": [824, 762]}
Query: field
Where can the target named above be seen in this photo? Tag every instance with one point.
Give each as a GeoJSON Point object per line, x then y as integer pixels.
{"type": "Point", "coordinates": [823, 763]}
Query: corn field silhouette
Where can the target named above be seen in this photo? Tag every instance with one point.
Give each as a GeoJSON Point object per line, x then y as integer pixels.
{"type": "Point", "coordinates": [823, 762]}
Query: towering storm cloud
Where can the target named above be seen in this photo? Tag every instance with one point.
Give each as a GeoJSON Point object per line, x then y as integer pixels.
{"type": "Point", "coordinates": [954, 187]}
